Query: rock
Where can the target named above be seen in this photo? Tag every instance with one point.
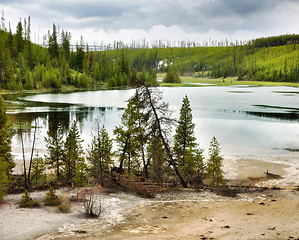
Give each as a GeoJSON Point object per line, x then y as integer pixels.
{"type": "Point", "coordinates": [82, 230]}
{"type": "Point", "coordinates": [227, 226]}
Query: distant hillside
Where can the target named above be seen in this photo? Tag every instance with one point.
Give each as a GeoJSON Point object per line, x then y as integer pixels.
{"type": "Point", "coordinates": [24, 65]}
{"type": "Point", "coordinates": [267, 59]}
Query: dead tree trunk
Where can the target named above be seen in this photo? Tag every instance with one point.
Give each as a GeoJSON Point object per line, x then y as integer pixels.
{"type": "Point", "coordinates": [169, 155]}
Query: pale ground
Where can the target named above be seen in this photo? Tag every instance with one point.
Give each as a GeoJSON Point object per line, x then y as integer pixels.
{"type": "Point", "coordinates": [269, 214]}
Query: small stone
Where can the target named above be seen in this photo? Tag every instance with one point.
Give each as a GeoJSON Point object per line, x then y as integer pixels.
{"type": "Point", "coordinates": [226, 226]}
{"type": "Point", "coordinates": [261, 203]}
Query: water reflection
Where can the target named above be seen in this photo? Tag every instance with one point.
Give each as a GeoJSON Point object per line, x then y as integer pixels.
{"type": "Point", "coordinates": [251, 121]}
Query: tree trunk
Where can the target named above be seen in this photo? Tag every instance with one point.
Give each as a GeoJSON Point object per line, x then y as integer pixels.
{"type": "Point", "coordinates": [164, 142]}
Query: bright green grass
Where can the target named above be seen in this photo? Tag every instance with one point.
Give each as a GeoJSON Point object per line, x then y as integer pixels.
{"type": "Point", "coordinates": [229, 81]}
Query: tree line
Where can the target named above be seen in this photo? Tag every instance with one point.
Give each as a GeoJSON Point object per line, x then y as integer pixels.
{"type": "Point", "coordinates": [24, 65]}
{"type": "Point", "coordinates": [264, 59]}
{"type": "Point", "coordinates": [145, 147]}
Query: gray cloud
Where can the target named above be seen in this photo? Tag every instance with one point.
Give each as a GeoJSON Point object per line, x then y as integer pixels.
{"type": "Point", "coordinates": [193, 16]}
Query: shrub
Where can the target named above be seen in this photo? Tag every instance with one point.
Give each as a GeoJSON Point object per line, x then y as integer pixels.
{"type": "Point", "coordinates": [51, 198]}
{"type": "Point", "coordinates": [92, 202]}
{"type": "Point", "coordinates": [65, 206]}
{"type": "Point", "coordinates": [27, 201]}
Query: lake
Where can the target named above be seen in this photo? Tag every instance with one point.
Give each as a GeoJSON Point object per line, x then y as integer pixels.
{"type": "Point", "coordinates": [246, 120]}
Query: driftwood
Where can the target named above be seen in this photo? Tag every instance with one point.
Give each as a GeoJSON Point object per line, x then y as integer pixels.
{"type": "Point", "coordinates": [272, 176]}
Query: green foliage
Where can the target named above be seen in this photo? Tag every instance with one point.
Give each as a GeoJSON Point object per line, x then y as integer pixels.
{"type": "Point", "coordinates": [156, 158]}
{"type": "Point", "coordinates": [27, 201]}
{"type": "Point", "coordinates": [214, 171]}
{"type": "Point", "coordinates": [54, 144]}
{"type": "Point", "coordinates": [52, 43]}
{"type": "Point", "coordinates": [99, 154]}
{"type": "Point", "coordinates": [65, 205]}
{"type": "Point", "coordinates": [127, 136]}
{"type": "Point", "coordinates": [6, 159]}
{"type": "Point", "coordinates": [74, 165]}
{"type": "Point", "coordinates": [172, 76]}
{"type": "Point", "coordinates": [51, 79]}
{"type": "Point", "coordinates": [4, 178]}
{"type": "Point", "coordinates": [38, 170]}
{"type": "Point", "coordinates": [264, 62]}
{"type": "Point", "coordinates": [51, 198]}
{"type": "Point", "coordinates": [188, 154]}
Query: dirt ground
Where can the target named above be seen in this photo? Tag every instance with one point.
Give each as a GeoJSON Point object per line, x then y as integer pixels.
{"type": "Point", "coordinates": [263, 215]}
{"type": "Point", "coordinates": [254, 213]}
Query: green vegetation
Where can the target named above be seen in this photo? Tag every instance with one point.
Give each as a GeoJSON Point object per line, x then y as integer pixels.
{"type": "Point", "coordinates": [185, 149]}
{"type": "Point", "coordinates": [27, 66]}
{"type": "Point", "coordinates": [6, 159]}
{"type": "Point", "coordinates": [74, 166]}
{"type": "Point", "coordinates": [27, 201]}
{"type": "Point", "coordinates": [99, 154]}
{"type": "Point", "coordinates": [214, 171]}
{"type": "Point", "coordinates": [51, 198]}
{"type": "Point", "coordinates": [257, 61]}
{"type": "Point", "coordinates": [172, 76]}
{"type": "Point", "coordinates": [145, 147]}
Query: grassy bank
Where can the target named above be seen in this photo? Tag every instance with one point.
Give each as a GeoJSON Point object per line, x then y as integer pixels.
{"type": "Point", "coordinates": [189, 81]}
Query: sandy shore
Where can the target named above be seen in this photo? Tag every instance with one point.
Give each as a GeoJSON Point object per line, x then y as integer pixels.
{"type": "Point", "coordinates": [268, 214]}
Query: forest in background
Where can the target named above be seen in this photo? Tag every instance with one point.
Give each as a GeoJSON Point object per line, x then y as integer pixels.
{"type": "Point", "coordinates": [24, 65]}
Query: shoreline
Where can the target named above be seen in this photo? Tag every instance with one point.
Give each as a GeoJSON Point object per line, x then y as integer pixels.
{"type": "Point", "coordinates": [172, 213]}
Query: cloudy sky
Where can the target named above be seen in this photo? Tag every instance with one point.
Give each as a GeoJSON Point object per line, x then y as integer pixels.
{"type": "Point", "coordinates": [106, 21]}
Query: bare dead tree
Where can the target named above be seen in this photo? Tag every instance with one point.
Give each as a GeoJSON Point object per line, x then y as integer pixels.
{"type": "Point", "coordinates": [92, 203]}
{"type": "Point", "coordinates": [27, 176]}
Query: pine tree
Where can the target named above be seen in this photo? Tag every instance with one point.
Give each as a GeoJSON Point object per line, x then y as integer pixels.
{"type": "Point", "coordinates": [74, 165]}
{"type": "Point", "coordinates": [38, 169]}
{"type": "Point", "coordinates": [127, 137]}
{"type": "Point", "coordinates": [184, 140]}
{"type": "Point", "coordinates": [156, 158]}
{"type": "Point", "coordinates": [214, 171]}
{"type": "Point", "coordinates": [99, 154]}
{"type": "Point", "coordinates": [6, 160]}
{"type": "Point", "coordinates": [19, 38]}
{"type": "Point", "coordinates": [52, 43]}
{"type": "Point", "coordinates": [172, 76]}
{"type": "Point", "coordinates": [54, 144]}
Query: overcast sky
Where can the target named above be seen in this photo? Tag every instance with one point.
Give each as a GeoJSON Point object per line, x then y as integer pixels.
{"type": "Point", "coordinates": [198, 20]}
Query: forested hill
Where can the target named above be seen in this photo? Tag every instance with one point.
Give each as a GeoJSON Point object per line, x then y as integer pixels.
{"type": "Point", "coordinates": [24, 65]}
{"type": "Point", "coordinates": [263, 59]}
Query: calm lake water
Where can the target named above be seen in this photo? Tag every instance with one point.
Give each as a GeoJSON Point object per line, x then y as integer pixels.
{"type": "Point", "coordinates": [245, 120]}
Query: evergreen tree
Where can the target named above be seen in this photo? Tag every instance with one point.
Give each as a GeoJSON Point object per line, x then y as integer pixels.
{"type": "Point", "coordinates": [19, 38]}
{"type": "Point", "coordinates": [80, 55]}
{"type": "Point", "coordinates": [156, 158]}
{"type": "Point", "coordinates": [127, 137]}
{"type": "Point", "coordinates": [65, 44]}
{"type": "Point", "coordinates": [54, 144]}
{"type": "Point", "coordinates": [172, 76]}
{"type": "Point", "coordinates": [74, 165]}
{"type": "Point", "coordinates": [38, 169]}
{"type": "Point", "coordinates": [52, 43]}
{"type": "Point", "coordinates": [184, 140]}
{"type": "Point", "coordinates": [214, 171]}
{"type": "Point", "coordinates": [99, 154]}
{"type": "Point", "coordinates": [6, 160]}
{"type": "Point", "coordinates": [157, 120]}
